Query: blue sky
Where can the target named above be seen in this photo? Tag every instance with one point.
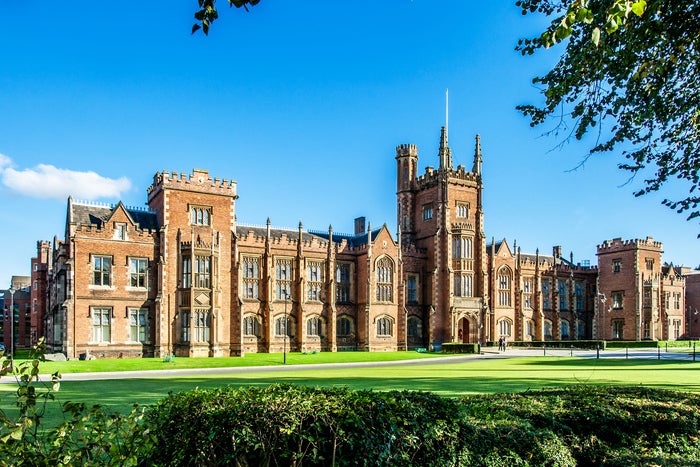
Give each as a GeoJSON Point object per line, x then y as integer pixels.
{"type": "Point", "coordinates": [303, 104]}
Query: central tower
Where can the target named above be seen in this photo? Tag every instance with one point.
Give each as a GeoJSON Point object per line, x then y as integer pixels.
{"type": "Point", "coordinates": [440, 216]}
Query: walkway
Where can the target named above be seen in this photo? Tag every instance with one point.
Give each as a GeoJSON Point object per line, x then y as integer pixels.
{"type": "Point", "coordinates": [488, 353]}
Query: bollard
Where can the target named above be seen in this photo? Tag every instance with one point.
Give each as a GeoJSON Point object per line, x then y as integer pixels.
{"type": "Point", "coordinates": [627, 352]}
{"type": "Point", "coordinates": [572, 350]}
{"type": "Point", "coordinates": [597, 351]}
{"type": "Point", "coordinates": [693, 351]}
{"type": "Point", "coordinates": [666, 347]}
{"type": "Point", "coordinates": [658, 349]}
{"type": "Point", "coordinates": [544, 350]}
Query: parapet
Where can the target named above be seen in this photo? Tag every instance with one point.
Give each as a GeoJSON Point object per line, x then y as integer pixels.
{"type": "Point", "coordinates": [617, 244]}
{"type": "Point", "coordinates": [198, 181]}
{"type": "Point", "coordinates": [406, 150]}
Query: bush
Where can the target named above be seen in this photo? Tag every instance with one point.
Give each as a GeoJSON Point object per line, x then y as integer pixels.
{"type": "Point", "coordinates": [289, 425]}
{"type": "Point", "coordinates": [458, 347]}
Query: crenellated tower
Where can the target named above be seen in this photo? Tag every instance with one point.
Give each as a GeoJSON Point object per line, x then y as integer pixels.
{"type": "Point", "coordinates": [440, 215]}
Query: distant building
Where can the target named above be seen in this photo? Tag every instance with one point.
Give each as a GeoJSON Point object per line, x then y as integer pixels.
{"type": "Point", "coordinates": [16, 314]}
{"type": "Point", "coordinates": [183, 277]}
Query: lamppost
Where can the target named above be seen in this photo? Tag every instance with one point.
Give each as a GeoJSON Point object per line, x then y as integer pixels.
{"type": "Point", "coordinates": [12, 291]}
{"type": "Point", "coordinates": [601, 317]}
{"type": "Point", "coordinates": [286, 325]}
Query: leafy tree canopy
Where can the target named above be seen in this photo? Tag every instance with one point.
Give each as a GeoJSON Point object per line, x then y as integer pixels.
{"type": "Point", "coordinates": [634, 65]}
{"type": "Point", "coordinates": [207, 12]}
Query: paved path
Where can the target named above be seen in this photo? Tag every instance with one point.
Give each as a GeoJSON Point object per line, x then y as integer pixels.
{"type": "Point", "coordinates": [486, 354]}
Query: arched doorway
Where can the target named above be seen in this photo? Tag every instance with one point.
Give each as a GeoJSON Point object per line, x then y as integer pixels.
{"type": "Point", "coordinates": [463, 331]}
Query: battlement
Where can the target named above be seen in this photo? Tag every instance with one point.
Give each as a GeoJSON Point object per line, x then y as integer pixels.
{"type": "Point", "coordinates": [432, 175]}
{"type": "Point", "coordinates": [406, 150]}
{"type": "Point", "coordinates": [198, 181]}
{"type": "Point", "coordinates": [617, 244]}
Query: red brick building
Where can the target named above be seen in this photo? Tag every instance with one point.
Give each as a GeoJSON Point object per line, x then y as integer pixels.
{"type": "Point", "coordinates": [183, 277]}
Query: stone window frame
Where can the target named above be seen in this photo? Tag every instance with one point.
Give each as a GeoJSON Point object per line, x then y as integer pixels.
{"type": "Point", "coordinates": [250, 277]}
{"type": "Point", "coordinates": [384, 326]}
{"type": "Point", "coordinates": [120, 231]}
{"type": "Point", "coordinates": [101, 321]}
{"type": "Point", "coordinates": [505, 327]}
{"type": "Point", "coordinates": [343, 288]}
{"type": "Point", "coordinates": [105, 273]}
{"type": "Point", "coordinates": [251, 325]}
{"type": "Point", "coordinates": [200, 215]}
{"type": "Point", "coordinates": [384, 273]}
{"type": "Point", "coordinates": [284, 277]}
{"type": "Point", "coordinates": [414, 327]}
{"type": "Point", "coordinates": [617, 299]}
{"type": "Point", "coordinates": [314, 280]}
{"type": "Point", "coordinates": [140, 276]}
{"type": "Point", "coordinates": [462, 209]}
{"type": "Point", "coordinates": [427, 211]}
{"type": "Point", "coordinates": [315, 326]}
{"type": "Point", "coordinates": [341, 330]}
{"type": "Point", "coordinates": [138, 325]}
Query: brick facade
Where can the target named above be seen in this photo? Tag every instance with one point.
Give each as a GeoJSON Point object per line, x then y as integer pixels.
{"type": "Point", "coordinates": [182, 277]}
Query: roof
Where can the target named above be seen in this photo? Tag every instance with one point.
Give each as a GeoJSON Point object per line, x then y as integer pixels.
{"type": "Point", "coordinates": [98, 214]}
{"type": "Point", "coordinates": [307, 236]}
{"type": "Point", "coordinates": [259, 231]}
{"type": "Point", "coordinates": [353, 240]}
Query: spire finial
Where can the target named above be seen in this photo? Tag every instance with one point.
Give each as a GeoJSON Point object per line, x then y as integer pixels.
{"type": "Point", "coordinates": [477, 156]}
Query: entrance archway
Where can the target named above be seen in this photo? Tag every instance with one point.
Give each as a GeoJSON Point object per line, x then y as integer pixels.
{"type": "Point", "coordinates": [463, 331]}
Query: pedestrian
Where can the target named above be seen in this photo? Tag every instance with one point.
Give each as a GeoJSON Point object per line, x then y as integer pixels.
{"type": "Point", "coordinates": [500, 343]}
{"type": "Point", "coordinates": [505, 343]}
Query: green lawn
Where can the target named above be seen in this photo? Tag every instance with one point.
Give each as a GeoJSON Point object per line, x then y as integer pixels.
{"type": "Point", "coordinates": [259, 359]}
{"type": "Point", "coordinates": [451, 379]}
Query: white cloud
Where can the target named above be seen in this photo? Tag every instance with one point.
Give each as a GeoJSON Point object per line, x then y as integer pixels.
{"type": "Point", "coordinates": [4, 161]}
{"type": "Point", "coordinates": [47, 181]}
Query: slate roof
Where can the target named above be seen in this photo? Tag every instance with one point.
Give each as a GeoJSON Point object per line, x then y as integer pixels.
{"type": "Point", "coordinates": [307, 236]}
{"type": "Point", "coordinates": [353, 240]}
{"type": "Point", "coordinates": [88, 214]}
{"type": "Point", "coordinates": [277, 232]}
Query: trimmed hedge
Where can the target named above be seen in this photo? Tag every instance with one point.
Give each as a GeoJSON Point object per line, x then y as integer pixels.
{"type": "Point", "coordinates": [290, 425]}
{"type": "Point", "coordinates": [298, 425]}
{"type": "Point", "coordinates": [578, 344]}
{"type": "Point", "coordinates": [458, 347]}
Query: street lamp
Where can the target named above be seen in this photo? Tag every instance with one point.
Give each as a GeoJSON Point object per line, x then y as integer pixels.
{"type": "Point", "coordinates": [601, 317]}
{"type": "Point", "coordinates": [12, 291]}
{"type": "Point", "coordinates": [286, 324]}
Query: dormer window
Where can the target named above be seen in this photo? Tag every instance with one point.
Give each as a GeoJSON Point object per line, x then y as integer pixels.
{"type": "Point", "coordinates": [120, 231]}
{"type": "Point", "coordinates": [200, 215]}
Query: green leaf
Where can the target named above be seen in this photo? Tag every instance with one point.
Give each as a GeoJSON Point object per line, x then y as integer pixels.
{"type": "Point", "coordinates": [595, 36]}
{"type": "Point", "coordinates": [638, 8]}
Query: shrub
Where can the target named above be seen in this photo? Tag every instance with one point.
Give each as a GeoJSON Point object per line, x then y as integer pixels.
{"type": "Point", "coordinates": [290, 425]}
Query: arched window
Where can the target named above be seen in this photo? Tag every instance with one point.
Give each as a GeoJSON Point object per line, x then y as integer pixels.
{"type": "Point", "coordinates": [504, 281]}
{"type": "Point", "coordinates": [384, 279]}
{"type": "Point", "coordinates": [251, 326]}
{"type": "Point", "coordinates": [344, 327]}
{"type": "Point", "coordinates": [547, 329]}
{"type": "Point", "coordinates": [384, 326]}
{"type": "Point", "coordinates": [531, 329]}
{"type": "Point", "coordinates": [505, 327]}
{"type": "Point", "coordinates": [283, 326]}
{"type": "Point", "coordinates": [314, 326]}
{"type": "Point", "coordinates": [200, 216]}
{"type": "Point", "coordinates": [415, 327]}
{"type": "Point", "coordinates": [565, 329]}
